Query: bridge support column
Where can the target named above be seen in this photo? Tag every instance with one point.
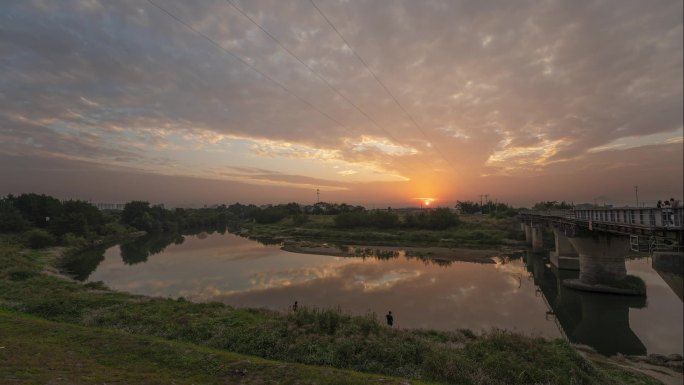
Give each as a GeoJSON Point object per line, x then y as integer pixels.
{"type": "Point", "coordinates": [537, 238]}
{"type": "Point", "coordinates": [528, 233]}
{"type": "Point", "coordinates": [565, 256]}
{"type": "Point", "coordinates": [602, 263]}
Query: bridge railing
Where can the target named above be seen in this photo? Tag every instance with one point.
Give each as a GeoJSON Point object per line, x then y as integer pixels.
{"type": "Point", "coordinates": [566, 214]}
{"type": "Point", "coordinates": [645, 217]}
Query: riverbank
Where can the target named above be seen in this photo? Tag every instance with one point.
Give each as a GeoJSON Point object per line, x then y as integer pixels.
{"type": "Point", "coordinates": [474, 232]}
{"type": "Point", "coordinates": [309, 336]}
{"type": "Point", "coordinates": [33, 350]}
{"type": "Point", "coordinates": [438, 254]}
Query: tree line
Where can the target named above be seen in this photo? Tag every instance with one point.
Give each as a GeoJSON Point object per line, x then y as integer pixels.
{"type": "Point", "coordinates": [46, 221]}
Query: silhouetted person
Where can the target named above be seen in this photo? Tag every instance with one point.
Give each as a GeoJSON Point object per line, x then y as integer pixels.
{"type": "Point", "coordinates": [294, 306]}
{"type": "Point", "coordinates": [390, 318]}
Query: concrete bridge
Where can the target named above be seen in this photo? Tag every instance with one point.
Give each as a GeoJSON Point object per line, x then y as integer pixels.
{"type": "Point", "coordinates": [595, 241]}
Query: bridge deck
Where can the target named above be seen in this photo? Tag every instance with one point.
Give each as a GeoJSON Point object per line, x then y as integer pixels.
{"type": "Point", "coordinates": [629, 219]}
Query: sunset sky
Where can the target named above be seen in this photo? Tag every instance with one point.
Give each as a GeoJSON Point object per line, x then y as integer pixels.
{"type": "Point", "coordinates": [372, 102]}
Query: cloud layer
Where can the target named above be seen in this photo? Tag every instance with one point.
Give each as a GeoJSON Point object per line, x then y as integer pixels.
{"type": "Point", "coordinates": [486, 93]}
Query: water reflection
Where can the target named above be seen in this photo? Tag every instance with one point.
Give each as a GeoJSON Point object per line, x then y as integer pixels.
{"type": "Point", "coordinates": [521, 293]}
{"type": "Point", "coordinates": [139, 250]}
{"type": "Point", "coordinates": [598, 320]}
{"type": "Point", "coordinates": [443, 295]}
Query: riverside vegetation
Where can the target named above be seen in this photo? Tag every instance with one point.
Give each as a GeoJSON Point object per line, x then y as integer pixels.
{"type": "Point", "coordinates": [148, 340]}
{"type": "Point", "coordinates": [325, 337]}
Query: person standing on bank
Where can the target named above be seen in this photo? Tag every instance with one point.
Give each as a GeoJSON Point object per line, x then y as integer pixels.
{"type": "Point", "coordinates": [390, 318]}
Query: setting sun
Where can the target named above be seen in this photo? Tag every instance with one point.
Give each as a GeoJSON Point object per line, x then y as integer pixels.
{"type": "Point", "coordinates": [425, 201]}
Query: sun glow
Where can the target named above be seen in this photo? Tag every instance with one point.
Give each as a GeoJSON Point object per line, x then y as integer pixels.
{"type": "Point", "coordinates": [425, 201]}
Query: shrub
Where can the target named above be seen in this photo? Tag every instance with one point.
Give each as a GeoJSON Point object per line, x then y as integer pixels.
{"type": "Point", "coordinates": [300, 219]}
{"type": "Point", "coordinates": [72, 240]}
{"type": "Point", "coordinates": [39, 238]}
{"type": "Point", "coordinates": [270, 215]}
{"type": "Point", "coordinates": [115, 229]}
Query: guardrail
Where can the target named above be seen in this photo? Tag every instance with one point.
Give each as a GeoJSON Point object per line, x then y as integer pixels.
{"type": "Point", "coordinates": [644, 217]}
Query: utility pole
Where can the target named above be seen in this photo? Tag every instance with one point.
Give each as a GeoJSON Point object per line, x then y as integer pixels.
{"type": "Point", "coordinates": [636, 192]}
{"type": "Point", "coordinates": [318, 196]}
{"type": "Point", "coordinates": [489, 209]}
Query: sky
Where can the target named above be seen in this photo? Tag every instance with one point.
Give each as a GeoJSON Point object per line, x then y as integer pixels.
{"type": "Point", "coordinates": [371, 102]}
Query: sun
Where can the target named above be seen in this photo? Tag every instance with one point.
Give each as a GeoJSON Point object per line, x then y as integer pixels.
{"type": "Point", "coordinates": [425, 202]}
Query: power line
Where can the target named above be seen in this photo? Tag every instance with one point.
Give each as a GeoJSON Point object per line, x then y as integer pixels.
{"type": "Point", "coordinates": [281, 45]}
{"type": "Point", "coordinates": [377, 79]}
{"type": "Point", "coordinates": [318, 75]}
{"type": "Point", "coordinates": [282, 86]}
{"type": "Point", "coordinates": [213, 42]}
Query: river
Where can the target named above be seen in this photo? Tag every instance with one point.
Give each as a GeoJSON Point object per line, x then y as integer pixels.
{"type": "Point", "coordinates": [522, 294]}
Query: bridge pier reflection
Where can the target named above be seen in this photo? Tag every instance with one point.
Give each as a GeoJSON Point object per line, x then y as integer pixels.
{"type": "Point", "coordinates": [597, 320]}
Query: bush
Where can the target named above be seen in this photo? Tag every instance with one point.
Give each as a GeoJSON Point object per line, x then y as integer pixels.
{"type": "Point", "coordinates": [39, 238]}
{"type": "Point", "coordinates": [20, 274]}
{"type": "Point", "coordinates": [379, 219]}
{"type": "Point", "coordinates": [437, 219]}
{"type": "Point", "coordinates": [72, 240]}
{"type": "Point", "coordinates": [300, 219]}
{"type": "Point", "coordinates": [270, 215]}
{"type": "Point", "coordinates": [115, 229]}
{"type": "Point", "coordinates": [11, 220]}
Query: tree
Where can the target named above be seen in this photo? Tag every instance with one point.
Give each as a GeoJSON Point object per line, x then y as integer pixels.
{"type": "Point", "coordinates": [11, 220]}
{"type": "Point", "coordinates": [552, 205]}
{"type": "Point", "coordinates": [138, 214]}
{"type": "Point", "coordinates": [442, 218]}
{"type": "Point", "coordinates": [38, 209]}
{"type": "Point", "coordinates": [468, 207]}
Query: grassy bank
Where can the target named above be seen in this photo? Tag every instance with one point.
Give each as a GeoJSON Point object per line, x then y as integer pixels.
{"type": "Point", "coordinates": [473, 231]}
{"type": "Point", "coordinates": [309, 336]}
{"type": "Point", "coordinates": [39, 351]}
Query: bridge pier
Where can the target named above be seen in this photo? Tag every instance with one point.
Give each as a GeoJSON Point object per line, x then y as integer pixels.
{"type": "Point", "coordinates": [537, 238]}
{"type": "Point", "coordinates": [565, 256]}
{"type": "Point", "coordinates": [601, 263]}
{"type": "Point", "coordinates": [528, 233]}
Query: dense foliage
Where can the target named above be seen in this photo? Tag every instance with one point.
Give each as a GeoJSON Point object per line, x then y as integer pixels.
{"type": "Point", "coordinates": [46, 221]}
{"type": "Point", "coordinates": [433, 219]}
{"type": "Point", "coordinates": [552, 205]}
{"type": "Point", "coordinates": [496, 209]}
{"type": "Point", "coordinates": [75, 222]}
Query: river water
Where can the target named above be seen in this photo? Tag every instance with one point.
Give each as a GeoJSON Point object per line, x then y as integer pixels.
{"type": "Point", "coordinates": [522, 294]}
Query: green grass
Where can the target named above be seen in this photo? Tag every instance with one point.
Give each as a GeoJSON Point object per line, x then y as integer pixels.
{"type": "Point", "coordinates": [474, 231]}
{"type": "Point", "coordinates": [35, 351]}
{"type": "Point", "coordinates": [322, 337]}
